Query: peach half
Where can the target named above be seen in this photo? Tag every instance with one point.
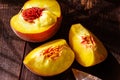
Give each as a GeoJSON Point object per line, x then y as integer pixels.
{"type": "Point", "coordinates": [37, 21]}
{"type": "Point", "coordinates": [88, 49]}
{"type": "Point", "coordinates": [50, 59]}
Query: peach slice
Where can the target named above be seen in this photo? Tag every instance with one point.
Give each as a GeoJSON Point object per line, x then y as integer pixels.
{"type": "Point", "coordinates": [88, 49]}
{"type": "Point", "coordinates": [37, 21]}
{"type": "Point", "coordinates": [50, 59]}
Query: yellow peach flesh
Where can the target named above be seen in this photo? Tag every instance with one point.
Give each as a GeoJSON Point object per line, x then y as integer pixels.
{"type": "Point", "coordinates": [49, 17]}
{"type": "Point", "coordinates": [90, 53]}
{"type": "Point", "coordinates": [44, 64]}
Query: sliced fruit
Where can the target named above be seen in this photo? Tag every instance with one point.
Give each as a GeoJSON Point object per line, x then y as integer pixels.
{"type": "Point", "coordinates": [37, 21]}
{"type": "Point", "coordinates": [88, 48]}
{"type": "Point", "coordinates": [50, 59]}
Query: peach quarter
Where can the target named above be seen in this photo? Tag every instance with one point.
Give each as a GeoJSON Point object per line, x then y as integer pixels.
{"type": "Point", "coordinates": [88, 49]}
{"type": "Point", "coordinates": [50, 59]}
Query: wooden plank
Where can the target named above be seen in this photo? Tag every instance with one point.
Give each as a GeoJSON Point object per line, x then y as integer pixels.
{"type": "Point", "coordinates": [25, 73]}
{"type": "Point", "coordinates": [99, 24]}
{"type": "Point", "coordinates": [103, 23]}
{"type": "Point", "coordinates": [11, 47]}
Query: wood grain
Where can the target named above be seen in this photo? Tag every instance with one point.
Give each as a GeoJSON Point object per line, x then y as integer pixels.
{"type": "Point", "coordinates": [103, 21]}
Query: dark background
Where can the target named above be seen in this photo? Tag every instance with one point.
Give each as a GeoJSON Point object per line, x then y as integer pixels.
{"type": "Point", "coordinates": [103, 20]}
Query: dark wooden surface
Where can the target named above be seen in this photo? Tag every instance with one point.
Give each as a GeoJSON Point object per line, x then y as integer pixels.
{"type": "Point", "coordinates": [103, 21]}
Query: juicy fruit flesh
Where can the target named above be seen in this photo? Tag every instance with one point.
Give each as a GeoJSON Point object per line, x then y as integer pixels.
{"type": "Point", "coordinates": [88, 41]}
{"type": "Point", "coordinates": [31, 13]}
{"type": "Point", "coordinates": [48, 59]}
{"type": "Point", "coordinates": [52, 52]}
{"type": "Point", "coordinates": [50, 16]}
{"type": "Point", "coordinates": [88, 49]}
{"type": "Point", "coordinates": [52, 6]}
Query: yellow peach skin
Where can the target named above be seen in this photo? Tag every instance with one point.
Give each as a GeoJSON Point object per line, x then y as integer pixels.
{"type": "Point", "coordinates": [88, 49]}
{"type": "Point", "coordinates": [50, 59]}
{"type": "Point", "coordinates": [41, 28]}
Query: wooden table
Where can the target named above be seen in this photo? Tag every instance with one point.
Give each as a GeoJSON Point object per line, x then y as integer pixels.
{"type": "Point", "coordinates": [104, 22]}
